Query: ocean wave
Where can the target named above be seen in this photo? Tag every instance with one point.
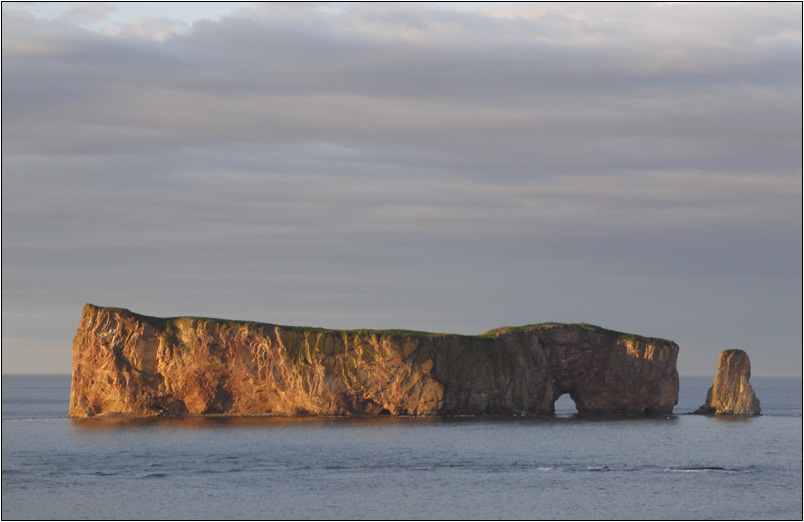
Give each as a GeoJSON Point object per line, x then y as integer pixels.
{"type": "Point", "coordinates": [154, 475]}
{"type": "Point", "coordinates": [703, 469]}
{"type": "Point", "coordinates": [33, 418]}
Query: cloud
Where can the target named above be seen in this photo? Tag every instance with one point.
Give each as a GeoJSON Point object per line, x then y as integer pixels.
{"type": "Point", "coordinates": [79, 12]}
{"type": "Point", "coordinates": [320, 79]}
{"type": "Point", "coordinates": [418, 166]}
{"type": "Point", "coordinates": [148, 28]}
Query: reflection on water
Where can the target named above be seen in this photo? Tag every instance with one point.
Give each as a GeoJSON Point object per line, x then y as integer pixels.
{"type": "Point", "coordinates": [385, 422]}
{"type": "Point", "coordinates": [234, 422]}
{"type": "Point", "coordinates": [732, 418]}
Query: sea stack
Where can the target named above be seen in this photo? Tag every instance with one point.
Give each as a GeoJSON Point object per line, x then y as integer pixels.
{"type": "Point", "coordinates": [134, 365]}
{"type": "Point", "coordinates": [731, 393]}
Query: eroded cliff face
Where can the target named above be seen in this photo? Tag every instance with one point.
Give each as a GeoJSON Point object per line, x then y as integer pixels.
{"type": "Point", "coordinates": [134, 365]}
{"type": "Point", "coordinates": [731, 393]}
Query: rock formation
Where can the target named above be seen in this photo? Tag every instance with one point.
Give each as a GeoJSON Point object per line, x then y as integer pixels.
{"type": "Point", "coordinates": [731, 393]}
{"type": "Point", "coordinates": [134, 365]}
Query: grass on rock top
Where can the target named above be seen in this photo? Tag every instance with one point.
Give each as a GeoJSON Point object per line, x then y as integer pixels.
{"type": "Point", "coordinates": [165, 322]}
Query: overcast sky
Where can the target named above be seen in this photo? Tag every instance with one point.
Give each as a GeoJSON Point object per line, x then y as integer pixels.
{"type": "Point", "coordinates": [447, 168]}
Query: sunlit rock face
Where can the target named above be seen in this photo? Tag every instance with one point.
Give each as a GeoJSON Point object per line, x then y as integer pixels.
{"type": "Point", "coordinates": [134, 365]}
{"type": "Point", "coordinates": [731, 393]}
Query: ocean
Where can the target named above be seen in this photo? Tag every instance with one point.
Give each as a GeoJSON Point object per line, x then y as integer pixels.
{"type": "Point", "coordinates": [563, 467]}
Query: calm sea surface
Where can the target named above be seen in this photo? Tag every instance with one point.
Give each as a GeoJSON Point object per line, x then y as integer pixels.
{"type": "Point", "coordinates": [567, 466]}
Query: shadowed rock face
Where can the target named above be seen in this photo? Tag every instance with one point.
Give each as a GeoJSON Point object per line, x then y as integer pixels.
{"type": "Point", "coordinates": [134, 365]}
{"type": "Point", "coordinates": [731, 393]}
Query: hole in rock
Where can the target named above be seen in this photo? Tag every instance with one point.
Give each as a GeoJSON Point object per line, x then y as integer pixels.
{"type": "Point", "coordinates": [564, 405]}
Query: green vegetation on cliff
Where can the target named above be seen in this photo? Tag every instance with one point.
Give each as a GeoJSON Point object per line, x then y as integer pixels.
{"type": "Point", "coordinates": [581, 327]}
{"type": "Point", "coordinates": [165, 322]}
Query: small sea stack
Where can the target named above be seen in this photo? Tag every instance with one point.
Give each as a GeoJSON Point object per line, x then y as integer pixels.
{"type": "Point", "coordinates": [731, 393]}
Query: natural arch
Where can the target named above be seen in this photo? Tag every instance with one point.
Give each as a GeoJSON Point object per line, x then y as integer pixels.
{"type": "Point", "coordinates": [565, 404]}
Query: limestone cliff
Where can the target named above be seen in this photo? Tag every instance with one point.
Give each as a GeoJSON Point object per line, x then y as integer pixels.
{"type": "Point", "coordinates": [130, 364]}
{"type": "Point", "coordinates": [731, 393]}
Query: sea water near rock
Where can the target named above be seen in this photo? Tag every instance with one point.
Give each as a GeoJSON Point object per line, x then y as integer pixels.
{"type": "Point", "coordinates": [567, 466]}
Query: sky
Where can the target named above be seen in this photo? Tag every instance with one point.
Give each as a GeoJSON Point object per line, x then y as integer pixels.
{"type": "Point", "coordinates": [439, 167]}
